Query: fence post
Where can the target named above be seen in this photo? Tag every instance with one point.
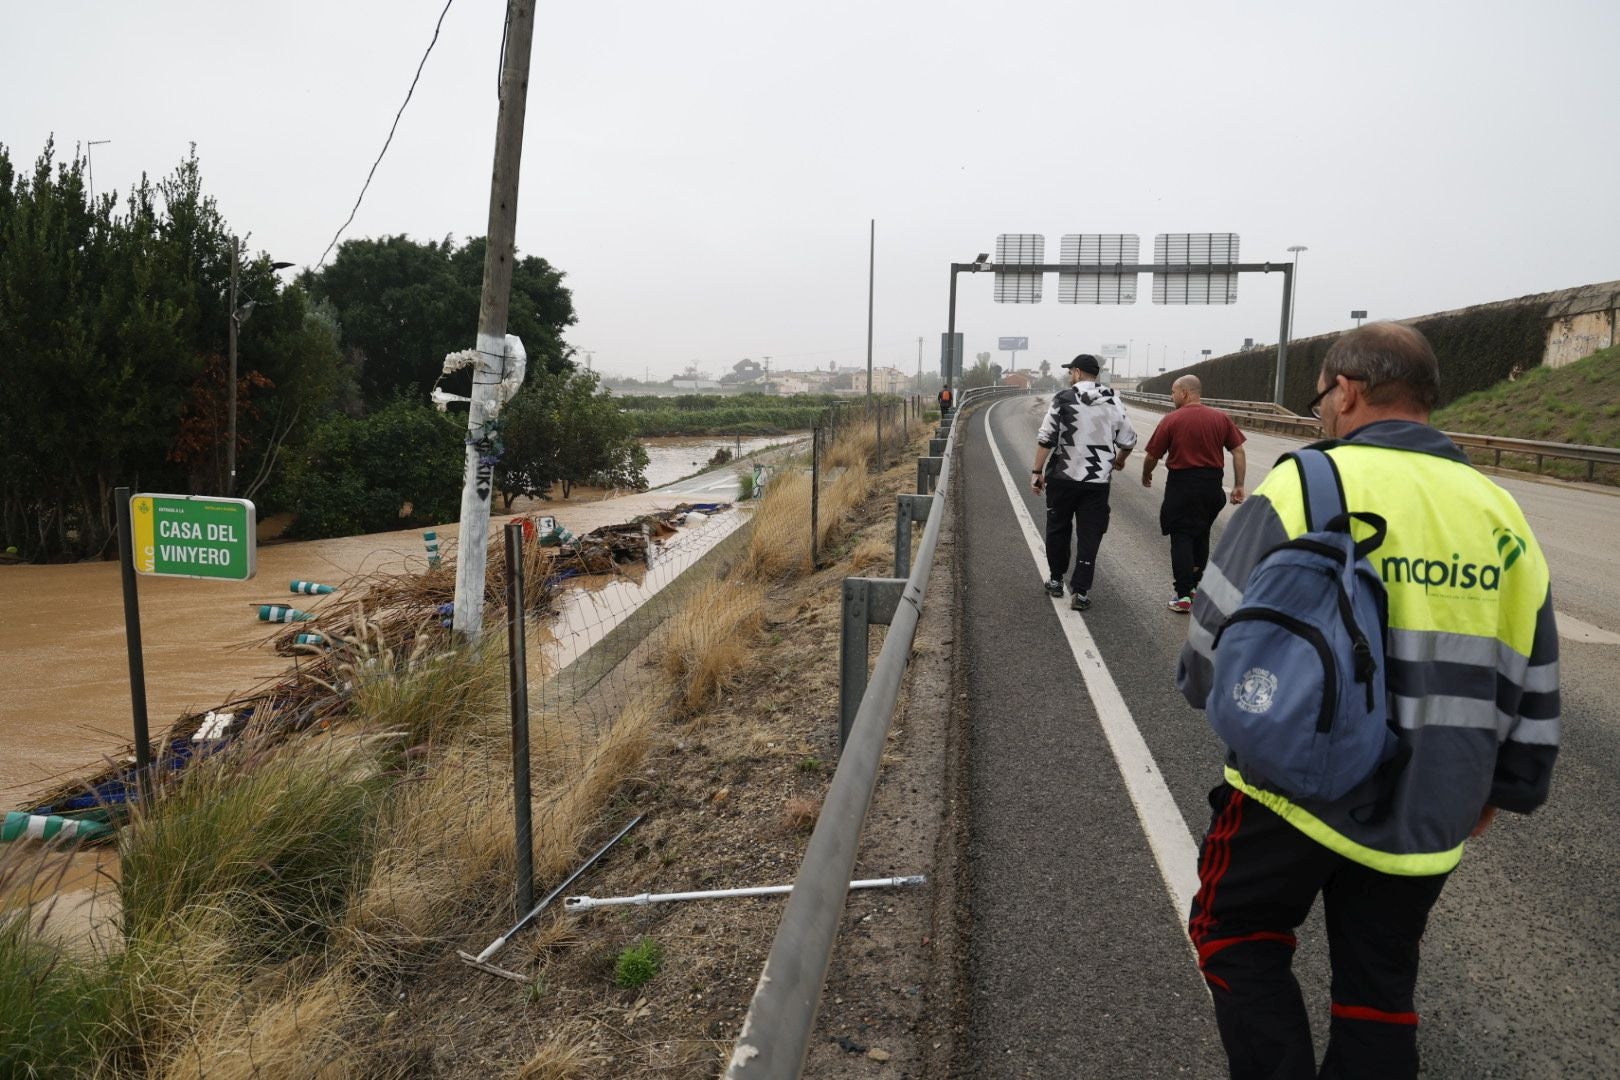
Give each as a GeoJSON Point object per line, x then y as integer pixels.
{"type": "Point", "coordinates": [878, 420]}
{"type": "Point", "coordinates": [517, 660]}
{"type": "Point", "coordinates": [815, 495]}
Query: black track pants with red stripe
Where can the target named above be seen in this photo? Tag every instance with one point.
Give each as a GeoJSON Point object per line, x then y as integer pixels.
{"type": "Point", "coordinates": [1258, 877]}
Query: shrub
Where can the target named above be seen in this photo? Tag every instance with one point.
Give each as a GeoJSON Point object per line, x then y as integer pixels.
{"type": "Point", "coordinates": [638, 963]}
{"type": "Point", "coordinates": [394, 469]}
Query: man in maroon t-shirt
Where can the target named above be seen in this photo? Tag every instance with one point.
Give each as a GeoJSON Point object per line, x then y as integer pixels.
{"type": "Point", "coordinates": [1194, 438]}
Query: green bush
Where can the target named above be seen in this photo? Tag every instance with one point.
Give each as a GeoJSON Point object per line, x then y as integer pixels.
{"type": "Point", "coordinates": [638, 963]}
{"type": "Point", "coordinates": [397, 468]}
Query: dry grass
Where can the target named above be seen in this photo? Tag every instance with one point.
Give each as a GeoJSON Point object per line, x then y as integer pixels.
{"type": "Point", "coordinates": [447, 858]}
{"type": "Point", "coordinates": [854, 448]}
{"type": "Point", "coordinates": [565, 1055]}
{"type": "Point", "coordinates": [562, 823]}
{"type": "Point", "coordinates": [872, 557]}
{"type": "Point", "coordinates": [800, 814]}
{"type": "Point", "coordinates": [293, 1036]}
{"type": "Point", "coordinates": [443, 841]}
{"type": "Point", "coordinates": [711, 639]}
{"type": "Point", "coordinates": [779, 543]}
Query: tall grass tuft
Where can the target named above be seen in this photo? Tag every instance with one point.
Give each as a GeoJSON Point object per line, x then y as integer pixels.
{"type": "Point", "coordinates": [262, 844]}
{"type": "Point", "coordinates": [429, 700]}
{"type": "Point", "coordinates": [709, 641]}
{"type": "Point", "coordinates": [296, 1034]}
{"type": "Point", "coordinates": [54, 1008]}
{"type": "Point", "coordinates": [565, 1055]}
{"type": "Point", "coordinates": [779, 537]}
{"type": "Point", "coordinates": [444, 853]}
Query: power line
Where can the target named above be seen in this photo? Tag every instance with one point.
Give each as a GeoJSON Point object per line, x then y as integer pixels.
{"type": "Point", "coordinates": [386, 142]}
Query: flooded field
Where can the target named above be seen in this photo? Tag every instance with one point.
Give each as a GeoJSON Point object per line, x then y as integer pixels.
{"type": "Point", "coordinates": [672, 458]}
{"type": "Point", "coordinates": [66, 702]}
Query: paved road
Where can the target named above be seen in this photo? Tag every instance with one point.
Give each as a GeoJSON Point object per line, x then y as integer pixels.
{"type": "Point", "coordinates": [1089, 779]}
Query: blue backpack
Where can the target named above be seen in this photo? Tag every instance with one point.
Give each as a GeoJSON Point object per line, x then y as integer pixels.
{"type": "Point", "coordinates": [1299, 689]}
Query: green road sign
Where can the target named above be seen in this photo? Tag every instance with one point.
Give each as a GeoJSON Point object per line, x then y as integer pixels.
{"type": "Point", "coordinates": [194, 536]}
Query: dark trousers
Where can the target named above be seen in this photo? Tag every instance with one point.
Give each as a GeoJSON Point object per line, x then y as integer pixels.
{"type": "Point", "coordinates": [1080, 511]}
{"type": "Point", "coordinates": [1193, 499]}
{"type": "Point", "coordinates": [1258, 877]}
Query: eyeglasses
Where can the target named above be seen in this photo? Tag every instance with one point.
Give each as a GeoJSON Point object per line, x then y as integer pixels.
{"type": "Point", "coordinates": [1315, 407]}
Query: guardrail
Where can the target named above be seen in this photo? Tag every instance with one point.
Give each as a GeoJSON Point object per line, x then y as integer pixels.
{"type": "Point", "coordinates": [1274, 418]}
{"type": "Point", "coordinates": [776, 1032]}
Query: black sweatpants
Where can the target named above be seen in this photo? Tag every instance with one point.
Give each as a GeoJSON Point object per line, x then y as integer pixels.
{"type": "Point", "coordinates": [1193, 499]}
{"type": "Point", "coordinates": [1077, 510]}
{"type": "Point", "coordinates": [1258, 876]}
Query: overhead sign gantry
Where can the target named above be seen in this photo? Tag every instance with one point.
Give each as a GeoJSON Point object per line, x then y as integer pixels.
{"type": "Point", "coordinates": [1101, 268]}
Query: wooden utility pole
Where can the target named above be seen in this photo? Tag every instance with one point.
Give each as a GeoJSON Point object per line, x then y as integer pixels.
{"type": "Point", "coordinates": [479, 482]}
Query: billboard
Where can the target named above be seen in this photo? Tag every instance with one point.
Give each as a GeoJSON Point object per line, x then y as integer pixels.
{"type": "Point", "coordinates": [1012, 344]}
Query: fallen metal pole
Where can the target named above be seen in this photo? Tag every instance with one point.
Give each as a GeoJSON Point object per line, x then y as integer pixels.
{"type": "Point", "coordinates": [482, 959]}
{"type": "Point", "coordinates": [587, 903]}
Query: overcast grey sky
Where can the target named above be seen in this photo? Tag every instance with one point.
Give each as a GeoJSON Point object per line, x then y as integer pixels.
{"type": "Point", "coordinates": [704, 172]}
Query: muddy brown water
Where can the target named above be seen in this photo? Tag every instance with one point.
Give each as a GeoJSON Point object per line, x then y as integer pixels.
{"type": "Point", "coordinates": [65, 699]}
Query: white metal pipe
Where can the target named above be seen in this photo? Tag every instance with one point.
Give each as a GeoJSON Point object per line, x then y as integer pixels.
{"type": "Point", "coordinates": [586, 903]}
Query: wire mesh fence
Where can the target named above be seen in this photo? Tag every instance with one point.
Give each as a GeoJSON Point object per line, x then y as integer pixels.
{"type": "Point", "coordinates": [347, 826]}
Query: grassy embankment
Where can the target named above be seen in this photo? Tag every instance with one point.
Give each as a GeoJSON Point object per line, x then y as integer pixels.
{"type": "Point", "coordinates": [269, 902]}
{"type": "Point", "coordinates": [1577, 403]}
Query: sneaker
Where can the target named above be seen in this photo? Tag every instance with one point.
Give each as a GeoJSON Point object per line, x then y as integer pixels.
{"type": "Point", "coordinates": [1054, 587]}
{"type": "Point", "coordinates": [1079, 601]}
{"type": "Point", "coordinates": [1182, 604]}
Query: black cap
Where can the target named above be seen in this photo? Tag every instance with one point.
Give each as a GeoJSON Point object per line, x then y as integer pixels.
{"type": "Point", "coordinates": [1085, 362]}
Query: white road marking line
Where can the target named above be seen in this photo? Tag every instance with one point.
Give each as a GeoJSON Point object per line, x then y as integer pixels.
{"type": "Point", "coordinates": [1172, 842]}
{"type": "Point", "coordinates": [1572, 629]}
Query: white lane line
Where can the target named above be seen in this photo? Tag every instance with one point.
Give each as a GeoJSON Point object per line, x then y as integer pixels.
{"type": "Point", "coordinates": [1173, 846]}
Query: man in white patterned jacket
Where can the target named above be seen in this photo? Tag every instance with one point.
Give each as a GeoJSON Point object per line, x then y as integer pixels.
{"type": "Point", "coordinates": [1083, 440]}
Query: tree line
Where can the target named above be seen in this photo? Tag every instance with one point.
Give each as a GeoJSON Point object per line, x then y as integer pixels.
{"type": "Point", "coordinates": [114, 323]}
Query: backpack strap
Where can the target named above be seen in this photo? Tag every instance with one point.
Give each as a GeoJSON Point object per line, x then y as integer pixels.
{"type": "Point", "coordinates": [1319, 483]}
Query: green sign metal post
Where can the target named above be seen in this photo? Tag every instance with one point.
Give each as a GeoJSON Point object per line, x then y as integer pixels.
{"type": "Point", "coordinates": [175, 536]}
{"type": "Point", "coordinates": [194, 536]}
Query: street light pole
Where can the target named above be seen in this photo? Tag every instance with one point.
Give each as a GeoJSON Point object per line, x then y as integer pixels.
{"type": "Point", "coordinates": [230, 381]}
{"type": "Point", "coordinates": [90, 164]}
{"type": "Point", "coordinates": [1297, 249]}
{"type": "Point", "coordinates": [235, 325]}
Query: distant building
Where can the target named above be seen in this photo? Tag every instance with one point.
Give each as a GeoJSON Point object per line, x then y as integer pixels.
{"type": "Point", "coordinates": [787, 384]}
{"type": "Point", "coordinates": [691, 385]}
{"type": "Point", "coordinates": [1019, 379]}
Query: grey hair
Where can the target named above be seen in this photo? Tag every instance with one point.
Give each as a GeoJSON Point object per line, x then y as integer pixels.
{"type": "Point", "coordinates": [1394, 364]}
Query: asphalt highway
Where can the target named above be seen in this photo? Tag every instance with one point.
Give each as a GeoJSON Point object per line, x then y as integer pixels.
{"type": "Point", "coordinates": [1089, 780]}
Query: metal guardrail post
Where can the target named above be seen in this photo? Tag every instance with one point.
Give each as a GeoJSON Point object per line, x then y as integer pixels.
{"type": "Point", "coordinates": [908, 509]}
{"type": "Point", "coordinates": [936, 447]}
{"type": "Point", "coordinates": [866, 601]}
{"type": "Point", "coordinates": [928, 474]}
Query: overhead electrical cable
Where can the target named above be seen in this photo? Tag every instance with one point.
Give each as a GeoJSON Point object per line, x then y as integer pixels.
{"type": "Point", "coordinates": [364, 188]}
